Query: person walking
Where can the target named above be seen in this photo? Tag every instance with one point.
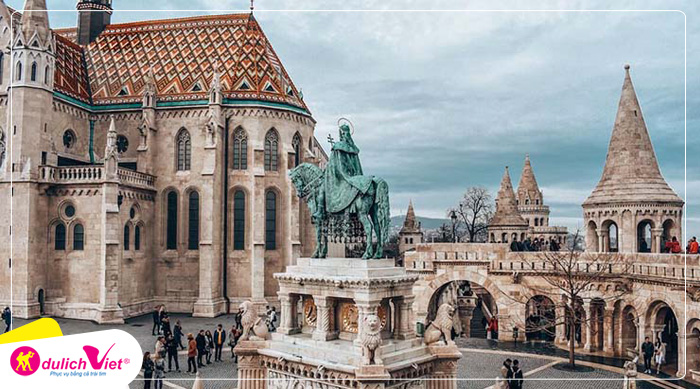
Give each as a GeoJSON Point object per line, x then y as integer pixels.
{"type": "Point", "coordinates": [648, 352]}
{"type": "Point", "coordinates": [273, 319]}
{"type": "Point", "coordinates": [201, 347]}
{"type": "Point", "coordinates": [156, 321]}
{"type": "Point", "coordinates": [147, 365]}
{"type": "Point", "coordinates": [7, 317]}
{"type": "Point", "coordinates": [517, 381]}
{"type": "Point", "coordinates": [233, 336]}
{"type": "Point", "coordinates": [219, 342]}
{"type": "Point", "coordinates": [178, 334]}
{"type": "Point", "coordinates": [159, 372]}
{"type": "Point", "coordinates": [191, 354]}
{"type": "Point", "coordinates": [171, 346]}
{"type": "Point", "coordinates": [659, 355]}
{"type": "Point", "coordinates": [165, 325]}
{"type": "Point", "coordinates": [209, 345]}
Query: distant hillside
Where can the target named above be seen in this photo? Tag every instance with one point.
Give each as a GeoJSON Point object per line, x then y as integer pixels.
{"type": "Point", "coordinates": [427, 223]}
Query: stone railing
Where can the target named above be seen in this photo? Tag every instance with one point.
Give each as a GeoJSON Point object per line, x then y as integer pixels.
{"type": "Point", "coordinates": [550, 230]}
{"type": "Point", "coordinates": [93, 174]}
{"type": "Point", "coordinates": [497, 258]}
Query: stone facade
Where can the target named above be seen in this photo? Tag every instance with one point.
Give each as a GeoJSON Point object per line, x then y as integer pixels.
{"type": "Point", "coordinates": [507, 225]}
{"type": "Point", "coordinates": [632, 209]}
{"type": "Point", "coordinates": [183, 158]}
{"type": "Point", "coordinates": [410, 234]}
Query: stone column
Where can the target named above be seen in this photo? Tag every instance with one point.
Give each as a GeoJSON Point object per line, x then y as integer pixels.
{"type": "Point", "coordinates": [656, 239]}
{"type": "Point", "coordinates": [444, 374]}
{"type": "Point", "coordinates": [364, 309]}
{"type": "Point", "coordinates": [324, 316]}
{"type": "Point", "coordinates": [110, 255]}
{"type": "Point", "coordinates": [288, 319]}
{"type": "Point", "coordinates": [588, 323]}
{"type": "Point", "coordinates": [601, 241]}
{"type": "Point", "coordinates": [465, 309]}
{"type": "Point", "coordinates": [250, 374]}
{"type": "Point", "coordinates": [560, 330]}
{"type": "Point", "coordinates": [405, 325]}
{"type": "Point", "coordinates": [604, 240]}
{"type": "Point", "coordinates": [608, 346]}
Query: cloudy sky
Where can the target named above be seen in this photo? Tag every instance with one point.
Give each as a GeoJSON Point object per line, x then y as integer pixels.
{"type": "Point", "coordinates": [443, 99]}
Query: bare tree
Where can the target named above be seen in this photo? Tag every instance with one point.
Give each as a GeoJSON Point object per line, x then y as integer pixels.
{"type": "Point", "coordinates": [572, 274]}
{"type": "Point", "coordinates": [473, 213]}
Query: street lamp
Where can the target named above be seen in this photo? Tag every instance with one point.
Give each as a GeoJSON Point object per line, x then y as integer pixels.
{"type": "Point", "coordinates": [453, 216]}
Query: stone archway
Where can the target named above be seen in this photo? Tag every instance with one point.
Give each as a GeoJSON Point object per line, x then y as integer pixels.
{"type": "Point", "coordinates": [662, 323]}
{"type": "Point", "coordinates": [473, 304]}
{"type": "Point", "coordinates": [629, 334]}
{"type": "Point", "coordinates": [693, 345]}
{"type": "Point", "coordinates": [592, 237]}
{"type": "Point", "coordinates": [645, 238]}
{"type": "Point", "coordinates": [540, 319]}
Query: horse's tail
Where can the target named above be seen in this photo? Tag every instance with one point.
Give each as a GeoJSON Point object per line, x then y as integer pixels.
{"type": "Point", "coordinates": [383, 209]}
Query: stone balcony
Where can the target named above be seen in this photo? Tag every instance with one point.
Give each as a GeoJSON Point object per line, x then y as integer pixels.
{"type": "Point", "coordinates": [93, 174]}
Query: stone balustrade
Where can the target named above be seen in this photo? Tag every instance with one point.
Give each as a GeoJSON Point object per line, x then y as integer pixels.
{"type": "Point", "coordinates": [498, 258]}
{"type": "Point", "coordinates": [92, 174]}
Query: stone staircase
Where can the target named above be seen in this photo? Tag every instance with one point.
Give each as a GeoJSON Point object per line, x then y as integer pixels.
{"type": "Point", "coordinates": [477, 326]}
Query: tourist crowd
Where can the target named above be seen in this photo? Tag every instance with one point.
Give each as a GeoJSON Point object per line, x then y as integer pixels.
{"type": "Point", "coordinates": [674, 246]}
{"type": "Point", "coordinates": [200, 347]}
{"type": "Point", "coordinates": [511, 375]}
{"type": "Point", "coordinates": [537, 244]}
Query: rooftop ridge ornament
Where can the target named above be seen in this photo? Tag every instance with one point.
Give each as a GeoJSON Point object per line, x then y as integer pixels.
{"type": "Point", "coordinates": [345, 204]}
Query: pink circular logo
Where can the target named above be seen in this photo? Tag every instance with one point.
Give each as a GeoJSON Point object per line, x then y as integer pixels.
{"type": "Point", "coordinates": [25, 361]}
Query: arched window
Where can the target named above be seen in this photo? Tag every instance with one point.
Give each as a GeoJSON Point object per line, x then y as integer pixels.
{"type": "Point", "coordinates": [240, 149]}
{"type": "Point", "coordinates": [137, 238]}
{"type": "Point", "coordinates": [239, 220]}
{"type": "Point", "coordinates": [270, 220]}
{"type": "Point", "coordinates": [18, 71]}
{"type": "Point", "coordinates": [271, 141]}
{"type": "Point", "coordinates": [33, 72]}
{"type": "Point", "coordinates": [184, 149]}
{"type": "Point", "coordinates": [78, 237]}
{"type": "Point", "coordinates": [296, 145]}
{"type": "Point", "coordinates": [126, 237]}
{"type": "Point", "coordinates": [2, 66]}
{"type": "Point", "coordinates": [537, 222]}
{"type": "Point", "coordinates": [60, 237]}
{"type": "Point", "coordinates": [612, 238]}
{"type": "Point", "coordinates": [193, 222]}
{"type": "Point", "coordinates": [47, 75]}
{"type": "Point", "coordinates": [3, 146]}
{"type": "Point", "coordinates": [171, 221]}
{"type": "Point", "coordinates": [644, 238]}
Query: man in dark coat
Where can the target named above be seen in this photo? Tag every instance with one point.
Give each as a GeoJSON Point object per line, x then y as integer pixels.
{"type": "Point", "coordinates": [201, 347]}
{"type": "Point", "coordinates": [156, 322]}
{"type": "Point", "coordinates": [648, 351]}
{"type": "Point", "coordinates": [516, 379]}
{"type": "Point", "coordinates": [7, 317]}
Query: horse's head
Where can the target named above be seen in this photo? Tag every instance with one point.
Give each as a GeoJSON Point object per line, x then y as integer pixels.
{"type": "Point", "coordinates": [304, 178]}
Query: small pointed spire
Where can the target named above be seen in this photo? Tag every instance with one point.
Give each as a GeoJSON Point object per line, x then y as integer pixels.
{"type": "Point", "coordinates": [410, 225]}
{"type": "Point", "coordinates": [35, 19]}
{"type": "Point", "coordinates": [5, 13]}
{"type": "Point", "coordinates": [527, 187]}
{"type": "Point", "coordinates": [506, 207]}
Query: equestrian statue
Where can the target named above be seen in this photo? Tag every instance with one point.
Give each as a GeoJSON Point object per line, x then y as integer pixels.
{"type": "Point", "coordinates": [345, 205]}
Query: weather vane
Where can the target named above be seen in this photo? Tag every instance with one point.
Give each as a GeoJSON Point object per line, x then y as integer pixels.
{"type": "Point", "coordinates": [251, 6]}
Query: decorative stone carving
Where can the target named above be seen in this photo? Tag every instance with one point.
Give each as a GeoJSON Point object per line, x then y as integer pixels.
{"type": "Point", "coordinates": [441, 327]}
{"type": "Point", "coordinates": [370, 339]}
{"type": "Point", "coordinates": [630, 374]}
{"type": "Point", "coordinates": [310, 312]}
{"type": "Point", "coordinates": [693, 293]}
{"type": "Point", "coordinates": [254, 327]}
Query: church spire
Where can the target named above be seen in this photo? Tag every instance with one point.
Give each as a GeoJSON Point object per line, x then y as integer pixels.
{"type": "Point", "coordinates": [631, 170]}
{"type": "Point", "coordinates": [506, 207]}
{"type": "Point", "coordinates": [35, 19]}
{"type": "Point", "coordinates": [410, 220]}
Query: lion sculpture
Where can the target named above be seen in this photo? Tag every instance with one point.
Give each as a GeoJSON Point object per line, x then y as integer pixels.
{"type": "Point", "coordinates": [441, 327]}
{"type": "Point", "coordinates": [254, 327]}
{"type": "Point", "coordinates": [371, 339]}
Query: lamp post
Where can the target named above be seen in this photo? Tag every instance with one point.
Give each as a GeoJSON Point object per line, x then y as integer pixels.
{"type": "Point", "coordinates": [453, 216]}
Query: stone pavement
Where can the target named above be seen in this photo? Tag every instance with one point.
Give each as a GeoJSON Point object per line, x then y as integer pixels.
{"type": "Point", "coordinates": [477, 370]}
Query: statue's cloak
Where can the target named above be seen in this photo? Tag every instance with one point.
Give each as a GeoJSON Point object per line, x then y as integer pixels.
{"type": "Point", "coordinates": [343, 179]}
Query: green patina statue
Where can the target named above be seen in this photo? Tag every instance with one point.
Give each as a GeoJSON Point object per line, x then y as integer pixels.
{"type": "Point", "coordinates": [345, 205]}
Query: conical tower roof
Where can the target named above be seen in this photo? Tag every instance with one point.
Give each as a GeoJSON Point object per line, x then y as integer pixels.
{"type": "Point", "coordinates": [409, 223]}
{"type": "Point", "coordinates": [506, 207]}
{"type": "Point", "coordinates": [527, 187]}
{"type": "Point", "coordinates": [631, 171]}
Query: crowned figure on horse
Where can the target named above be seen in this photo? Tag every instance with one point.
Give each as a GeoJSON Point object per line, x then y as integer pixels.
{"type": "Point", "coordinates": [345, 205]}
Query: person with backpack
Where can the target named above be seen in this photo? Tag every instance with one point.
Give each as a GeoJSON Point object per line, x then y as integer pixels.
{"type": "Point", "coordinates": [516, 382]}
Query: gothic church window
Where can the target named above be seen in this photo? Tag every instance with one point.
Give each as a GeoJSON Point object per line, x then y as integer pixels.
{"type": "Point", "coordinates": [126, 237]}
{"type": "Point", "coordinates": [240, 149]}
{"type": "Point", "coordinates": [171, 221]}
{"type": "Point", "coordinates": [137, 238]}
{"type": "Point", "coordinates": [60, 237]}
{"type": "Point", "coordinates": [33, 71]}
{"type": "Point", "coordinates": [47, 75]}
{"type": "Point", "coordinates": [271, 142]}
{"type": "Point", "coordinates": [239, 220]}
{"type": "Point", "coordinates": [270, 220]}
{"type": "Point", "coordinates": [2, 66]}
{"type": "Point", "coordinates": [68, 139]}
{"type": "Point", "coordinates": [78, 237]}
{"type": "Point", "coordinates": [122, 144]}
{"type": "Point", "coordinates": [193, 222]}
{"type": "Point", "coordinates": [2, 147]}
{"type": "Point", "coordinates": [18, 71]}
{"type": "Point", "coordinates": [296, 145]}
{"type": "Point", "coordinates": [184, 149]}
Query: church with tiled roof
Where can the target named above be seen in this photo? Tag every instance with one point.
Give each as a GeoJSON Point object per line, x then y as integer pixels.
{"type": "Point", "coordinates": [151, 156]}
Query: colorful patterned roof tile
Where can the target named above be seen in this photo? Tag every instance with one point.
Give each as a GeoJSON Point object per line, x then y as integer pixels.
{"type": "Point", "coordinates": [183, 54]}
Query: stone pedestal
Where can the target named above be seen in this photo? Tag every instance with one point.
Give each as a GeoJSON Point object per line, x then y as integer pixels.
{"type": "Point", "coordinates": [323, 343]}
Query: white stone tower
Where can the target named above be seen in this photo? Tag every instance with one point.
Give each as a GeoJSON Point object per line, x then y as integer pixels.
{"type": "Point", "coordinates": [410, 234]}
{"type": "Point", "coordinates": [632, 209]}
{"type": "Point", "coordinates": [529, 198]}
